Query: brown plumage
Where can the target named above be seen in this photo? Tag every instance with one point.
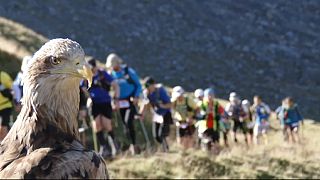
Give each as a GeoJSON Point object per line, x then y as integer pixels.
{"type": "Point", "coordinates": [44, 140]}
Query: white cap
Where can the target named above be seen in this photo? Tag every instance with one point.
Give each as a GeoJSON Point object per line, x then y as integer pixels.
{"type": "Point", "coordinates": [233, 97]}
{"type": "Point", "coordinates": [233, 94]}
{"type": "Point", "coordinates": [198, 93]}
{"type": "Point", "coordinates": [25, 62]}
{"type": "Point", "coordinates": [177, 92]}
{"type": "Point", "coordinates": [113, 60]}
{"type": "Point", "coordinates": [245, 102]}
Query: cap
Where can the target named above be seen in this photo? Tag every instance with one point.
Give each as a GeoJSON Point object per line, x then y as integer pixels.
{"type": "Point", "coordinates": [177, 92]}
{"type": "Point", "coordinates": [233, 97]}
{"type": "Point", "coordinates": [198, 93]}
{"type": "Point", "coordinates": [245, 102]}
{"type": "Point", "coordinates": [148, 81]}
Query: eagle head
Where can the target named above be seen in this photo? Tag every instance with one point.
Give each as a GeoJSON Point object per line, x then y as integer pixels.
{"type": "Point", "coordinates": [51, 82]}
{"type": "Point", "coordinates": [62, 58]}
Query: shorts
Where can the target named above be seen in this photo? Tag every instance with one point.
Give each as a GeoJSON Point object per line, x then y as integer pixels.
{"type": "Point", "coordinates": [188, 131]}
{"type": "Point", "coordinates": [292, 126]}
{"type": "Point", "coordinates": [5, 115]}
{"type": "Point", "coordinates": [82, 107]}
{"type": "Point", "coordinates": [213, 135]}
{"type": "Point", "coordinates": [249, 131]}
{"type": "Point", "coordinates": [260, 129]}
{"type": "Point", "coordinates": [167, 118]}
{"type": "Point", "coordinates": [238, 125]}
{"type": "Point", "coordinates": [104, 109]}
{"type": "Point", "coordinates": [225, 126]}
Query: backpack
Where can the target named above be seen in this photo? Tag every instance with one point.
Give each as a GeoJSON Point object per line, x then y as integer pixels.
{"type": "Point", "coordinates": [189, 108]}
{"type": "Point", "coordinates": [129, 79]}
{"type": "Point", "coordinates": [157, 97]}
{"type": "Point", "coordinates": [102, 82]}
{"type": "Point", "coordinates": [237, 111]}
{"type": "Point", "coordinates": [6, 92]}
{"type": "Point", "coordinates": [217, 117]}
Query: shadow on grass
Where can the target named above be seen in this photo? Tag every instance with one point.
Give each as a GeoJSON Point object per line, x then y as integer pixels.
{"type": "Point", "coordinates": [264, 175]}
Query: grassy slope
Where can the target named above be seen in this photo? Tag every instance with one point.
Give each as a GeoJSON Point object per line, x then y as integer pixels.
{"type": "Point", "coordinates": [19, 40]}
{"type": "Point", "coordinates": [275, 160]}
{"type": "Point", "coordinates": [16, 41]}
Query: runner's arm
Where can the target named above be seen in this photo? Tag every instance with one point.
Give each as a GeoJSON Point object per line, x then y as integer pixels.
{"type": "Point", "coordinates": [116, 89]}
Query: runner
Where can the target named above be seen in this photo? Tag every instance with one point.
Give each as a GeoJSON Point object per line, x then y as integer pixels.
{"type": "Point", "coordinates": [260, 114]}
{"type": "Point", "coordinates": [158, 99]}
{"type": "Point", "coordinates": [199, 115]}
{"type": "Point", "coordinates": [292, 119]}
{"type": "Point", "coordinates": [6, 99]}
{"type": "Point", "coordinates": [236, 113]}
{"type": "Point", "coordinates": [280, 117]}
{"type": "Point", "coordinates": [130, 90]}
{"type": "Point", "coordinates": [183, 113]}
{"type": "Point", "coordinates": [214, 114]}
{"type": "Point", "coordinates": [102, 107]}
{"type": "Point", "coordinates": [248, 122]}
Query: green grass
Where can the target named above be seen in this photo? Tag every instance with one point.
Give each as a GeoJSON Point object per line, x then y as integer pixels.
{"type": "Point", "coordinates": [9, 63]}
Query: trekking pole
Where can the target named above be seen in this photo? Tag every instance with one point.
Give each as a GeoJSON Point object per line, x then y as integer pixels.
{"type": "Point", "coordinates": [94, 136]}
{"type": "Point", "coordinates": [145, 134]}
{"type": "Point", "coordinates": [144, 131]}
{"type": "Point", "coordinates": [116, 119]}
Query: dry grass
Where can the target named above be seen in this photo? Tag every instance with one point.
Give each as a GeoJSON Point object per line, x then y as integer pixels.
{"type": "Point", "coordinates": [275, 160]}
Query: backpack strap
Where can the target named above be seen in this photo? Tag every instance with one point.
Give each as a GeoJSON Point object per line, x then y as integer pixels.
{"type": "Point", "coordinates": [127, 75]}
{"type": "Point", "coordinates": [189, 108]}
{"type": "Point", "coordinates": [130, 80]}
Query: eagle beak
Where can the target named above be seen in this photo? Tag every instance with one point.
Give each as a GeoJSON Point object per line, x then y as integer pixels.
{"type": "Point", "coordinates": [86, 73]}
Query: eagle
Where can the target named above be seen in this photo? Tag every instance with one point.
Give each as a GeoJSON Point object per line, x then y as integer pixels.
{"type": "Point", "coordinates": [44, 140]}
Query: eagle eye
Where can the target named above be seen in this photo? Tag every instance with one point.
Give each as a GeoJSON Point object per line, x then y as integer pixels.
{"type": "Point", "coordinates": [55, 60]}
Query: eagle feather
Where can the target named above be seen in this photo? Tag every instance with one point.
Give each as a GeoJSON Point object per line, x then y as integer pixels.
{"type": "Point", "coordinates": [44, 140]}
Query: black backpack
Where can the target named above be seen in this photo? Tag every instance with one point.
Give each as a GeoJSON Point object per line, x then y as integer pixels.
{"type": "Point", "coordinates": [102, 82]}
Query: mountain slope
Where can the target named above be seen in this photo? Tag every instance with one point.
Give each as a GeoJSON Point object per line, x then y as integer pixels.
{"type": "Point", "coordinates": [269, 48]}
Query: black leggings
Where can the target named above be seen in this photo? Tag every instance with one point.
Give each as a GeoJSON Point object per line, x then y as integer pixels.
{"type": "Point", "coordinates": [127, 117]}
{"type": "Point", "coordinates": [162, 130]}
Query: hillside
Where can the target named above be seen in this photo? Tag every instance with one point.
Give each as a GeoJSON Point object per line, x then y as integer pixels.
{"type": "Point", "coordinates": [276, 160]}
{"type": "Point", "coordinates": [269, 47]}
{"type": "Point", "coordinates": [16, 41]}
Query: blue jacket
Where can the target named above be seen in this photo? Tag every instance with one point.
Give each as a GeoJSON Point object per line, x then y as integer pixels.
{"type": "Point", "coordinates": [291, 115]}
{"type": "Point", "coordinates": [159, 96]}
{"type": "Point", "coordinates": [127, 89]}
{"type": "Point", "coordinates": [98, 93]}
{"type": "Point", "coordinates": [261, 112]}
